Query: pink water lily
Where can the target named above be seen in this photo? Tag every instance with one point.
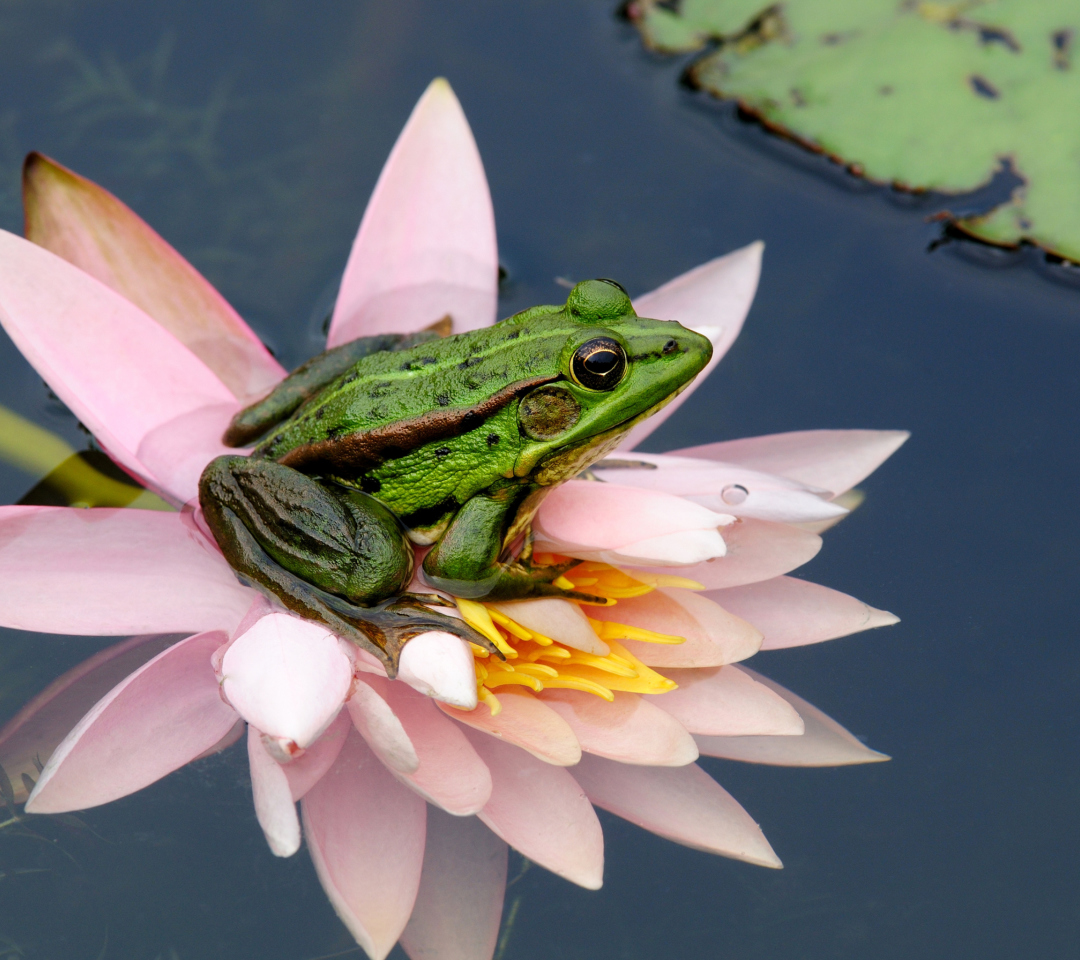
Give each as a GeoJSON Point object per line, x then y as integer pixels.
{"type": "Point", "coordinates": [410, 789]}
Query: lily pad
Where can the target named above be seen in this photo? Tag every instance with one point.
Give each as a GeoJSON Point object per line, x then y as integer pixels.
{"type": "Point", "coordinates": [924, 95]}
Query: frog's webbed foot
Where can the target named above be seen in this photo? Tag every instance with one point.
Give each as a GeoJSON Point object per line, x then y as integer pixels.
{"type": "Point", "coordinates": [520, 580]}
{"type": "Point", "coordinates": [307, 380]}
{"type": "Point", "coordinates": [393, 623]}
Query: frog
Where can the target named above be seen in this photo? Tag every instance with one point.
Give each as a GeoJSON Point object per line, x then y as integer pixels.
{"type": "Point", "coordinates": [435, 440]}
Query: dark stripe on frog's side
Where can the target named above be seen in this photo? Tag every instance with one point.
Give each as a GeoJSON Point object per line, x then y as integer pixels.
{"type": "Point", "coordinates": [354, 454]}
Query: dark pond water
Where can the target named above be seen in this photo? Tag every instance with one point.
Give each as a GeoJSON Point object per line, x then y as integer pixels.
{"type": "Point", "coordinates": [251, 134]}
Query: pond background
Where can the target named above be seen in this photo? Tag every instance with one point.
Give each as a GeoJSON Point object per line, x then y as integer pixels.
{"type": "Point", "coordinates": [250, 135]}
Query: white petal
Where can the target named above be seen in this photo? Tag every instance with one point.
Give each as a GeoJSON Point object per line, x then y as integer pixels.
{"type": "Point", "coordinates": [274, 806]}
{"type": "Point", "coordinates": [288, 677]}
{"type": "Point", "coordinates": [558, 619]}
{"type": "Point", "coordinates": [440, 665]}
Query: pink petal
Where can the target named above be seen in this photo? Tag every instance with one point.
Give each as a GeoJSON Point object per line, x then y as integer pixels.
{"type": "Point", "coordinates": [558, 619]}
{"type": "Point", "coordinates": [37, 729]}
{"type": "Point", "coordinates": [105, 571]}
{"type": "Point", "coordinates": [365, 832]}
{"type": "Point", "coordinates": [542, 812]}
{"type": "Point", "coordinates": [176, 452]}
{"type": "Point", "coordinates": [88, 227]}
{"type": "Point", "coordinates": [459, 907]}
{"type": "Point", "coordinates": [274, 805]}
{"type": "Point", "coordinates": [727, 701]}
{"type": "Point", "coordinates": [426, 246]}
{"type": "Point", "coordinates": [713, 636]}
{"type": "Point", "coordinates": [600, 521]}
{"type": "Point", "coordinates": [683, 804]}
{"type": "Point", "coordinates": [823, 744]}
{"type": "Point", "coordinates": [377, 723]}
{"type": "Point", "coordinates": [308, 769]}
{"type": "Point", "coordinates": [792, 613]}
{"type": "Point", "coordinates": [756, 550]}
{"type": "Point", "coordinates": [725, 488]}
{"type": "Point", "coordinates": [116, 369]}
{"type": "Point", "coordinates": [833, 460]}
{"type": "Point", "coordinates": [161, 717]}
{"type": "Point", "coordinates": [449, 772]}
{"type": "Point", "coordinates": [288, 677]}
{"type": "Point", "coordinates": [632, 729]}
{"type": "Point", "coordinates": [527, 723]}
{"type": "Point", "coordinates": [712, 299]}
{"type": "Point", "coordinates": [440, 665]}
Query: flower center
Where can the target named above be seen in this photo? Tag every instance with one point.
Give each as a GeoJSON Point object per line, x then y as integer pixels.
{"type": "Point", "coordinates": [538, 662]}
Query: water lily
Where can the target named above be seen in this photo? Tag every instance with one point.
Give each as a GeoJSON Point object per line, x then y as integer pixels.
{"type": "Point", "coordinates": [410, 788]}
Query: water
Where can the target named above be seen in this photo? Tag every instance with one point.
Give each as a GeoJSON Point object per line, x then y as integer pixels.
{"type": "Point", "coordinates": [250, 134]}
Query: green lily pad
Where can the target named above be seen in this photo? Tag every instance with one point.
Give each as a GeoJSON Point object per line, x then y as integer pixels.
{"type": "Point", "coordinates": [925, 95]}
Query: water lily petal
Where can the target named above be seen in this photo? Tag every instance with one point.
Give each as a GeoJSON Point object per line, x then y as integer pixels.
{"type": "Point", "coordinates": [558, 619]}
{"type": "Point", "coordinates": [382, 729]}
{"type": "Point", "coordinates": [104, 571]}
{"type": "Point", "coordinates": [440, 665]}
{"type": "Point", "coordinates": [459, 907]}
{"type": "Point", "coordinates": [121, 373]}
{"type": "Point", "coordinates": [683, 804]}
{"type": "Point", "coordinates": [542, 812]}
{"type": "Point", "coordinates": [275, 808]}
{"type": "Point", "coordinates": [449, 773]}
{"type": "Point", "coordinates": [426, 246]}
{"type": "Point", "coordinates": [722, 487]}
{"type": "Point", "coordinates": [36, 730]}
{"type": "Point", "coordinates": [756, 550]}
{"type": "Point", "coordinates": [713, 636]}
{"type": "Point", "coordinates": [176, 452]}
{"type": "Point", "coordinates": [601, 521]}
{"type": "Point", "coordinates": [308, 769]}
{"type": "Point", "coordinates": [527, 723]}
{"type": "Point", "coordinates": [365, 833]}
{"type": "Point", "coordinates": [728, 702]}
{"type": "Point", "coordinates": [156, 720]}
{"type": "Point", "coordinates": [793, 613]}
{"type": "Point", "coordinates": [712, 299]}
{"type": "Point", "coordinates": [824, 742]}
{"type": "Point", "coordinates": [833, 460]}
{"type": "Point", "coordinates": [631, 729]}
{"type": "Point", "coordinates": [288, 677]}
{"type": "Point", "coordinates": [90, 228]}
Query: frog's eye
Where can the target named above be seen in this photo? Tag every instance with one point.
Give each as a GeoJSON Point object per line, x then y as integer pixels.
{"type": "Point", "coordinates": [599, 364]}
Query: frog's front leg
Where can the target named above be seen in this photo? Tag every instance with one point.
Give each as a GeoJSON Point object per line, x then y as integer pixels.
{"type": "Point", "coordinates": [328, 554]}
{"type": "Point", "coordinates": [466, 559]}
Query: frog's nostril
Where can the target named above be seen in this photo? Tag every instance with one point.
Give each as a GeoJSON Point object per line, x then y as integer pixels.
{"type": "Point", "coordinates": [670, 347]}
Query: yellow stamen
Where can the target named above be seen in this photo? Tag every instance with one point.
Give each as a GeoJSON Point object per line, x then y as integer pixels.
{"type": "Point", "coordinates": [492, 701]}
{"type": "Point", "coordinates": [540, 662]}
{"type": "Point", "coordinates": [478, 617]}
{"type": "Point", "coordinates": [580, 683]}
{"type": "Point", "coordinates": [667, 580]}
{"type": "Point", "coordinates": [609, 630]}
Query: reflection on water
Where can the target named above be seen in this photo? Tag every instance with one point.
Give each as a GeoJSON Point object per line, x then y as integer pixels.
{"type": "Point", "coordinates": [251, 134]}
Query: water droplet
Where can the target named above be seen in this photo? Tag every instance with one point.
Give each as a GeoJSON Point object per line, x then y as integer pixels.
{"type": "Point", "coordinates": [734, 493]}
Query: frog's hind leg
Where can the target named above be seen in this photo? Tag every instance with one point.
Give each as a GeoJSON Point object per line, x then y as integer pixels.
{"type": "Point", "coordinates": [307, 380]}
{"type": "Point", "coordinates": [326, 556]}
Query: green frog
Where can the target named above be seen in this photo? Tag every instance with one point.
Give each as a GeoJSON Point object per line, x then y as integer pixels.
{"type": "Point", "coordinates": [449, 442]}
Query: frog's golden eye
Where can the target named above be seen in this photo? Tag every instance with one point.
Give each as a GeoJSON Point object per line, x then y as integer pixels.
{"type": "Point", "coordinates": [599, 364]}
